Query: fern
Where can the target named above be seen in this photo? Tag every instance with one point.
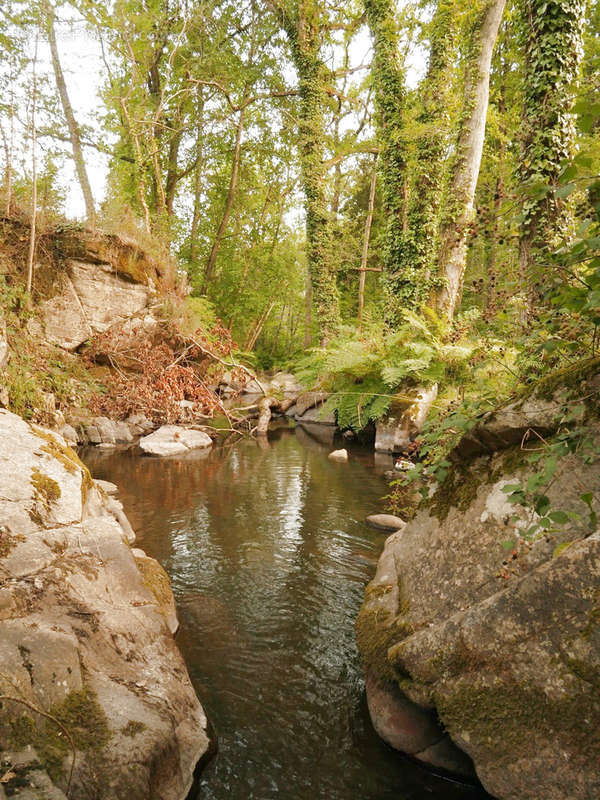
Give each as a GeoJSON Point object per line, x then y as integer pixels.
{"type": "Point", "coordinates": [363, 377]}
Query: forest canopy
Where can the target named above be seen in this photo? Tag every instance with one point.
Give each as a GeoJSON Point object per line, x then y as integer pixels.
{"type": "Point", "coordinates": [409, 189]}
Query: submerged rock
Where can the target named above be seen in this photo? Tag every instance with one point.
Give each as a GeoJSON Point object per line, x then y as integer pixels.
{"type": "Point", "coordinates": [84, 635]}
{"type": "Point", "coordinates": [502, 644]}
{"type": "Point", "coordinates": [338, 455]}
{"type": "Point", "coordinates": [173, 440]}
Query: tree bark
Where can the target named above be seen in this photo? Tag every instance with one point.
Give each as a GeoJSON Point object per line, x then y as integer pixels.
{"type": "Point", "coordinates": [74, 134]}
{"type": "Point", "coordinates": [388, 80]}
{"type": "Point", "coordinates": [198, 175]}
{"type": "Point", "coordinates": [32, 232]}
{"type": "Point", "coordinates": [469, 147]}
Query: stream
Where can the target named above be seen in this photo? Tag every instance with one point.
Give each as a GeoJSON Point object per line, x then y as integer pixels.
{"type": "Point", "coordinates": [268, 557]}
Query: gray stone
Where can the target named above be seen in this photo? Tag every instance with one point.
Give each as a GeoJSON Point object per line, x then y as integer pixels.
{"type": "Point", "coordinates": [317, 416]}
{"type": "Point", "coordinates": [395, 432]}
{"type": "Point", "coordinates": [287, 383]}
{"type": "Point", "coordinates": [157, 580]}
{"type": "Point", "coordinates": [507, 426]}
{"type": "Point", "coordinates": [82, 623]}
{"type": "Point", "coordinates": [338, 455]}
{"type": "Point", "coordinates": [24, 777]}
{"type": "Point", "coordinates": [139, 424]}
{"type": "Point", "coordinates": [413, 730]}
{"type": "Point", "coordinates": [70, 435]}
{"type": "Point", "coordinates": [309, 400]}
{"type": "Point", "coordinates": [385, 522]}
{"type": "Point", "coordinates": [122, 432]}
{"type": "Point", "coordinates": [171, 440]}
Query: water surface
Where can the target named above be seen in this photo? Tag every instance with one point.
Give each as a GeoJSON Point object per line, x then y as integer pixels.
{"type": "Point", "coordinates": [268, 556]}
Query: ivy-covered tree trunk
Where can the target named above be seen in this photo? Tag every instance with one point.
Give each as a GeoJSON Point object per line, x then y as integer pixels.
{"type": "Point", "coordinates": [388, 80]}
{"type": "Point", "coordinates": [432, 144]}
{"type": "Point", "coordinates": [458, 216]}
{"type": "Point", "coordinates": [552, 33]}
{"type": "Point", "coordinates": [418, 244]}
{"type": "Point", "coordinates": [302, 24]}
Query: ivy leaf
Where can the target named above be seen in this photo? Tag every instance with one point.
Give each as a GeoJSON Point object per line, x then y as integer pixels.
{"type": "Point", "coordinates": [566, 190]}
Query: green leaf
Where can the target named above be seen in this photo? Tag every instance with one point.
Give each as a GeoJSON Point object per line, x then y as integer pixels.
{"type": "Point", "coordinates": [559, 517]}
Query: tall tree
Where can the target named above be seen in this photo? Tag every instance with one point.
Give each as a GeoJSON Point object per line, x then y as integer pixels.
{"type": "Point", "coordinates": [74, 132]}
{"type": "Point", "coordinates": [464, 173]}
{"type": "Point", "coordinates": [388, 79]}
{"type": "Point", "coordinates": [552, 35]}
{"type": "Point", "coordinates": [303, 23]}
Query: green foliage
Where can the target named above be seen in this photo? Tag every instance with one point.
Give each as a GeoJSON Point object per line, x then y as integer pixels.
{"type": "Point", "coordinates": [366, 374]}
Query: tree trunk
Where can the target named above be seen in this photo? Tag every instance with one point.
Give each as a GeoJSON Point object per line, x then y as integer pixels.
{"type": "Point", "coordinates": [304, 33]}
{"type": "Point", "coordinates": [432, 146]}
{"type": "Point", "coordinates": [388, 80]}
{"type": "Point", "coordinates": [467, 161]}
{"type": "Point", "coordinates": [307, 312]}
{"type": "Point", "coordinates": [235, 168]}
{"type": "Point", "coordinates": [198, 175]}
{"type": "Point", "coordinates": [365, 253]}
{"type": "Point", "coordinates": [32, 232]}
{"type": "Point", "coordinates": [553, 34]}
{"type": "Point", "coordinates": [72, 125]}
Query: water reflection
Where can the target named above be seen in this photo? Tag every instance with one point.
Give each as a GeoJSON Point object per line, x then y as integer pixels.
{"type": "Point", "coordinates": [269, 556]}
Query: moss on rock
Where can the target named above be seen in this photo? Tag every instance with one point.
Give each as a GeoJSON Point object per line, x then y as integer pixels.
{"type": "Point", "coordinates": [81, 714]}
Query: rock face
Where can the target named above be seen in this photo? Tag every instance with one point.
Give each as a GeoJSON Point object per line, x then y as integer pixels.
{"type": "Point", "coordinates": [173, 440]}
{"type": "Point", "coordinates": [84, 636]}
{"type": "Point", "coordinates": [93, 298]}
{"type": "Point", "coordinates": [396, 431]}
{"type": "Point", "coordinates": [504, 648]}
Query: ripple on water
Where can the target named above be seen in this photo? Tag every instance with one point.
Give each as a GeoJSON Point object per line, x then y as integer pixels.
{"type": "Point", "coordinates": [268, 557]}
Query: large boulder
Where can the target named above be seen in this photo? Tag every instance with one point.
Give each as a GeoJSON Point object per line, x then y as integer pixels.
{"type": "Point", "coordinates": [503, 645]}
{"type": "Point", "coordinates": [96, 681]}
{"type": "Point", "coordinates": [174, 440]}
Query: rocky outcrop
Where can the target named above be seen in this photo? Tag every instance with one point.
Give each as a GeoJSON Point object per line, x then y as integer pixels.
{"type": "Point", "coordinates": [90, 676]}
{"type": "Point", "coordinates": [93, 298]}
{"type": "Point", "coordinates": [502, 645]}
